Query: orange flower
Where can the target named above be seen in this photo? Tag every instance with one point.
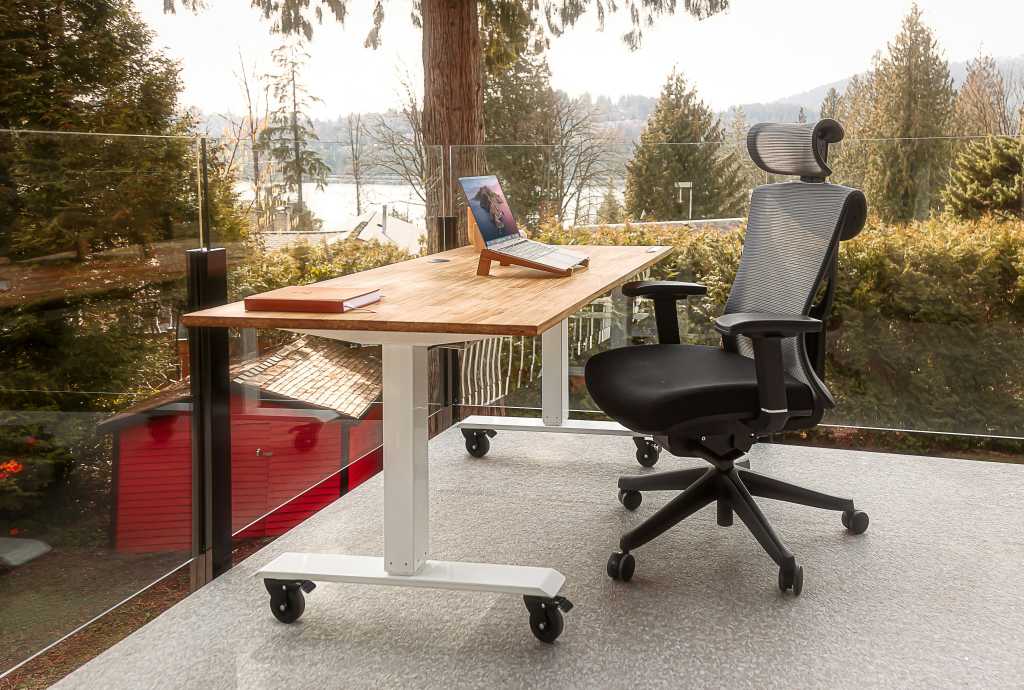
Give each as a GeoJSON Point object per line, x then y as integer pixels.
{"type": "Point", "coordinates": [10, 467]}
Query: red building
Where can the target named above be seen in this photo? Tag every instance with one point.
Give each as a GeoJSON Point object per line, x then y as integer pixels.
{"type": "Point", "coordinates": [305, 429]}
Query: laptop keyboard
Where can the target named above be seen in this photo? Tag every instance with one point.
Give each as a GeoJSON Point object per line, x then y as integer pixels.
{"type": "Point", "coordinates": [540, 253]}
{"type": "Point", "coordinates": [528, 250]}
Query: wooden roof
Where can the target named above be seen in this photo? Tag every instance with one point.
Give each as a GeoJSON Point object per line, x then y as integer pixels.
{"type": "Point", "coordinates": [324, 373]}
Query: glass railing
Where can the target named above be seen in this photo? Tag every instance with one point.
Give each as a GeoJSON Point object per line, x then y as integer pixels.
{"type": "Point", "coordinates": [95, 402]}
{"type": "Point", "coordinates": [926, 327]}
{"type": "Point", "coordinates": [95, 457]}
{"type": "Point", "coordinates": [305, 410]}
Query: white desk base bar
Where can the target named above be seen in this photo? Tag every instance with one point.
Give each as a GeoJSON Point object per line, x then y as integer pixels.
{"type": "Point", "coordinates": [568, 426]}
{"type": "Point", "coordinates": [369, 570]}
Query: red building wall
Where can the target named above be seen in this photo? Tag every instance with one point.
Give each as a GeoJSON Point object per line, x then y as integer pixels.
{"type": "Point", "coordinates": [297, 472]}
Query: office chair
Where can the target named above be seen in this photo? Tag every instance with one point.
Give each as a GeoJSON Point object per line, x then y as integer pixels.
{"type": "Point", "coordinates": [768, 375]}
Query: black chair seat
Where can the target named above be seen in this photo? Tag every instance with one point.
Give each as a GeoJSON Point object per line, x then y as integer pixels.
{"type": "Point", "coordinates": [653, 387]}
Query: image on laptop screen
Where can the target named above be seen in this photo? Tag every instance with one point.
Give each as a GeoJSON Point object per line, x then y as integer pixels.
{"type": "Point", "coordinates": [490, 208]}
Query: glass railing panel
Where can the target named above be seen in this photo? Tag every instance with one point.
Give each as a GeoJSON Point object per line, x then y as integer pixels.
{"type": "Point", "coordinates": [305, 410]}
{"type": "Point", "coordinates": [931, 283]}
{"type": "Point", "coordinates": [95, 445]}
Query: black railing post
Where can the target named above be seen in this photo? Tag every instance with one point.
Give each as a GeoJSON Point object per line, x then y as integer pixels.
{"type": "Point", "coordinates": [211, 420]}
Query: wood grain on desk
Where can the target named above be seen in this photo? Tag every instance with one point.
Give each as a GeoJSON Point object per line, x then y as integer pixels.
{"type": "Point", "coordinates": [424, 296]}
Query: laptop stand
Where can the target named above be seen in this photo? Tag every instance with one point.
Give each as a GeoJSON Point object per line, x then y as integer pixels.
{"type": "Point", "coordinates": [487, 256]}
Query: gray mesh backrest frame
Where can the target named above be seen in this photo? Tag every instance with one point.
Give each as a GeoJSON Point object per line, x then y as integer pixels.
{"type": "Point", "coordinates": [793, 234]}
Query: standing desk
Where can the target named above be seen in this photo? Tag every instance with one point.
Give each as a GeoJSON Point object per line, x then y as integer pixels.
{"type": "Point", "coordinates": [428, 301]}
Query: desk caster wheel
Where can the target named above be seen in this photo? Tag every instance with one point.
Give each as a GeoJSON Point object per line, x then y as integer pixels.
{"type": "Point", "coordinates": [855, 521]}
{"type": "Point", "coordinates": [792, 578]}
{"type": "Point", "coordinates": [621, 566]}
{"type": "Point", "coordinates": [477, 441]}
{"type": "Point", "coordinates": [647, 452]}
{"type": "Point", "coordinates": [546, 621]}
{"type": "Point", "coordinates": [287, 601]}
{"type": "Point", "coordinates": [631, 500]}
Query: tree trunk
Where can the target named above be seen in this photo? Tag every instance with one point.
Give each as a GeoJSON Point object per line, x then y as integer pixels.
{"type": "Point", "coordinates": [453, 106]}
{"type": "Point", "coordinates": [295, 142]}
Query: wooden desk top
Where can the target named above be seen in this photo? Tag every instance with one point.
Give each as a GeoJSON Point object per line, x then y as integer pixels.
{"type": "Point", "coordinates": [424, 296]}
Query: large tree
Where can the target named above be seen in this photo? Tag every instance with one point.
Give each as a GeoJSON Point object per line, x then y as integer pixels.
{"type": "Point", "coordinates": [683, 142]}
{"type": "Point", "coordinates": [987, 177]}
{"type": "Point", "coordinates": [899, 112]}
{"type": "Point", "coordinates": [983, 104]}
{"type": "Point", "coordinates": [289, 134]}
{"type": "Point", "coordinates": [88, 66]}
{"type": "Point", "coordinates": [453, 106]}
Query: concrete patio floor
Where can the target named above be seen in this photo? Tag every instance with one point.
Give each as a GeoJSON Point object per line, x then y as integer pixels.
{"type": "Point", "coordinates": [931, 596]}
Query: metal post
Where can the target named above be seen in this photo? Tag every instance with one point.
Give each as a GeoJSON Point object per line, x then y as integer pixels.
{"type": "Point", "coordinates": [204, 196]}
{"type": "Point", "coordinates": [211, 420]}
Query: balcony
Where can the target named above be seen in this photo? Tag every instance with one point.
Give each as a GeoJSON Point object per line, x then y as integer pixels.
{"type": "Point", "coordinates": [924, 598]}
{"type": "Point", "coordinates": [95, 411]}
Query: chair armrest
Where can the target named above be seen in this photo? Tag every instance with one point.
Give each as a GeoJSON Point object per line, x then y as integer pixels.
{"type": "Point", "coordinates": [665, 294]}
{"type": "Point", "coordinates": [662, 288]}
{"type": "Point", "coordinates": [755, 324]}
{"type": "Point", "coordinates": [766, 332]}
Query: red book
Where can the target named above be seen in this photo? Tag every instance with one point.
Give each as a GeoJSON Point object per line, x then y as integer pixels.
{"type": "Point", "coordinates": [312, 299]}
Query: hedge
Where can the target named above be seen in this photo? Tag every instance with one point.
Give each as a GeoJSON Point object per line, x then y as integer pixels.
{"type": "Point", "coordinates": [926, 329]}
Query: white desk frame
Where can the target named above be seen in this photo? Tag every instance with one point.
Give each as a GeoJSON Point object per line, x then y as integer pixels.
{"type": "Point", "coordinates": [406, 490]}
{"type": "Point", "coordinates": [554, 393]}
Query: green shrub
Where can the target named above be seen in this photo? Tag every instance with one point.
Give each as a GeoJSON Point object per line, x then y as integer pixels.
{"type": "Point", "coordinates": [926, 329]}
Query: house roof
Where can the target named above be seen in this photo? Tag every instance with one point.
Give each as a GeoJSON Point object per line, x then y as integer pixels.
{"type": "Point", "coordinates": [318, 371]}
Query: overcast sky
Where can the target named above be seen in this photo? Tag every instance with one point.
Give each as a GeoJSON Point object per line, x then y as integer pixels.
{"type": "Point", "coordinates": [757, 51]}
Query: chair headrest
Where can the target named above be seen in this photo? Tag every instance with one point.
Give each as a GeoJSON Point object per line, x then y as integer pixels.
{"type": "Point", "coordinates": [794, 149]}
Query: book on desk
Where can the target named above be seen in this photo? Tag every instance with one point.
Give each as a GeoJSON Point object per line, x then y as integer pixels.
{"type": "Point", "coordinates": [315, 299]}
{"type": "Point", "coordinates": [494, 232]}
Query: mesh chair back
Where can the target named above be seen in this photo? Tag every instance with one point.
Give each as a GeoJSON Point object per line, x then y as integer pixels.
{"type": "Point", "coordinates": [793, 232]}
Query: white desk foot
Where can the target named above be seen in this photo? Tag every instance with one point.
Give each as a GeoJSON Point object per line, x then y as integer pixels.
{"type": "Point", "coordinates": [290, 575]}
{"type": "Point", "coordinates": [479, 429]}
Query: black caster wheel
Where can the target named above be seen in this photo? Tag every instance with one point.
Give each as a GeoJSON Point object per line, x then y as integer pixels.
{"type": "Point", "coordinates": [630, 499]}
{"type": "Point", "coordinates": [546, 621]}
{"type": "Point", "coordinates": [287, 601]}
{"type": "Point", "coordinates": [792, 579]}
{"type": "Point", "coordinates": [621, 566]}
{"type": "Point", "coordinates": [478, 441]}
{"type": "Point", "coordinates": [647, 452]}
{"type": "Point", "coordinates": [855, 521]}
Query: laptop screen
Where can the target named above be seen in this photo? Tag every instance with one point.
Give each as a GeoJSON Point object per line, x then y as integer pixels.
{"type": "Point", "coordinates": [490, 208]}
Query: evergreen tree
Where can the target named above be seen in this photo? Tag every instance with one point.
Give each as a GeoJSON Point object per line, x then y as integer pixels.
{"type": "Point", "coordinates": [682, 142]}
{"type": "Point", "coordinates": [987, 178]}
{"type": "Point", "coordinates": [910, 96]}
{"type": "Point", "coordinates": [88, 67]}
{"type": "Point", "coordinates": [519, 107]}
{"type": "Point", "coordinates": [983, 102]}
{"type": "Point", "coordinates": [750, 175]}
{"type": "Point", "coordinates": [289, 134]}
{"type": "Point", "coordinates": [830, 105]}
{"type": "Point", "coordinates": [610, 212]}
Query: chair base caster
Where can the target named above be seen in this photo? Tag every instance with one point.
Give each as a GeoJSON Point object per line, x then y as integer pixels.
{"type": "Point", "coordinates": [792, 578]}
{"type": "Point", "coordinates": [855, 521]}
{"type": "Point", "coordinates": [630, 499]}
{"type": "Point", "coordinates": [477, 441]}
{"type": "Point", "coordinates": [647, 452]}
{"type": "Point", "coordinates": [546, 622]}
{"type": "Point", "coordinates": [621, 566]}
{"type": "Point", "coordinates": [287, 601]}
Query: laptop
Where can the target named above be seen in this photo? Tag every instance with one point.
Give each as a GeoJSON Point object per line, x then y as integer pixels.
{"type": "Point", "coordinates": [500, 232]}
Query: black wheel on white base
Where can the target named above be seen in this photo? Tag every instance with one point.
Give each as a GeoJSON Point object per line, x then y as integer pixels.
{"type": "Point", "coordinates": [287, 600]}
{"type": "Point", "coordinates": [546, 621]}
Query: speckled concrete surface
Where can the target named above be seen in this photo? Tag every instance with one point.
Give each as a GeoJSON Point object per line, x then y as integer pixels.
{"type": "Point", "coordinates": [931, 596]}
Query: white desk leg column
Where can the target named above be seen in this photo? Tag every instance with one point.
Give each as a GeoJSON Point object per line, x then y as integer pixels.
{"type": "Point", "coordinates": [554, 374]}
{"type": "Point", "coordinates": [406, 507]}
